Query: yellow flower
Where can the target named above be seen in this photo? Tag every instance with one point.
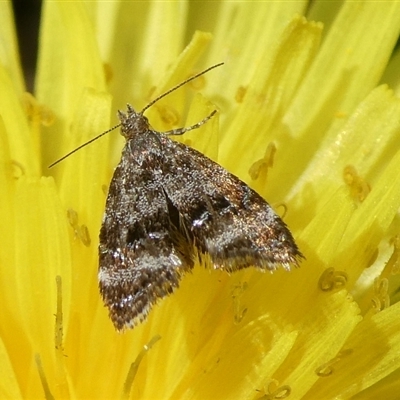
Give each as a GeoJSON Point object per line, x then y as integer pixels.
{"type": "Point", "coordinates": [307, 117]}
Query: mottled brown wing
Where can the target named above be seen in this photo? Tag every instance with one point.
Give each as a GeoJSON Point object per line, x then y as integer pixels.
{"type": "Point", "coordinates": [224, 217]}
{"type": "Point", "coordinates": [142, 253]}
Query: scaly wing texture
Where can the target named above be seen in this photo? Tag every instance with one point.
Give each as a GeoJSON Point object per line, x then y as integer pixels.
{"type": "Point", "coordinates": [142, 254]}
{"type": "Point", "coordinates": [225, 218]}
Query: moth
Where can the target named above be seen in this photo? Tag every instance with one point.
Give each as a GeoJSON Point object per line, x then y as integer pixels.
{"type": "Point", "coordinates": [168, 205]}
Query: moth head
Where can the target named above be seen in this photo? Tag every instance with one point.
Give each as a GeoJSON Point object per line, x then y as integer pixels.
{"type": "Point", "coordinates": [132, 123]}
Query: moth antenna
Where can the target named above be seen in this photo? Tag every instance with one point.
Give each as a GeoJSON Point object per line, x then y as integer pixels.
{"type": "Point", "coordinates": [144, 109]}
{"type": "Point", "coordinates": [179, 85]}
{"type": "Point", "coordinates": [83, 145]}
